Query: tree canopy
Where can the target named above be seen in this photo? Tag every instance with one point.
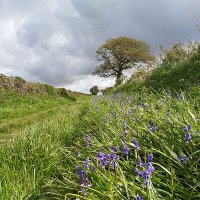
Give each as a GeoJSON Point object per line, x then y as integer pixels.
{"type": "Point", "coordinates": [119, 54]}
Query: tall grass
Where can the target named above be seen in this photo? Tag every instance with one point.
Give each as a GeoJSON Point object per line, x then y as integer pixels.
{"type": "Point", "coordinates": [26, 164]}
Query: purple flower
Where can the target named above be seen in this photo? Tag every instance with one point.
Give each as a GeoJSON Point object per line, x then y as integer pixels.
{"type": "Point", "coordinates": [188, 138]}
{"type": "Point", "coordinates": [139, 161]}
{"type": "Point", "coordinates": [102, 159]}
{"type": "Point", "coordinates": [147, 173]}
{"type": "Point", "coordinates": [182, 158]}
{"type": "Point", "coordinates": [152, 127]}
{"type": "Point", "coordinates": [150, 157]}
{"type": "Point", "coordinates": [125, 149]}
{"type": "Point", "coordinates": [87, 162]}
{"type": "Point", "coordinates": [112, 158]}
{"type": "Point", "coordinates": [114, 148]}
{"type": "Point", "coordinates": [187, 128]}
{"type": "Point", "coordinates": [136, 144]}
{"type": "Point", "coordinates": [168, 113]}
{"type": "Point", "coordinates": [84, 181]}
{"type": "Point", "coordinates": [139, 197]}
{"type": "Point", "coordinates": [88, 141]}
{"type": "Point", "coordinates": [138, 172]}
{"type": "Point", "coordinates": [136, 119]}
{"type": "Point", "coordinates": [125, 131]}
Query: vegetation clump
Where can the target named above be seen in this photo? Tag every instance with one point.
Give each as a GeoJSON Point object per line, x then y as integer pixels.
{"type": "Point", "coordinates": [94, 90]}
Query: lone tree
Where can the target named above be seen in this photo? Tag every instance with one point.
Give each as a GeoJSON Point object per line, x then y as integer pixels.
{"type": "Point", "coordinates": [94, 90]}
{"type": "Point", "coordinates": [119, 54]}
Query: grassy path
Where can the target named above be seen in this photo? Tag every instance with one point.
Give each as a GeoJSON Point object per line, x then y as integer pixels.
{"type": "Point", "coordinates": [28, 163]}
{"type": "Point", "coordinates": [11, 128]}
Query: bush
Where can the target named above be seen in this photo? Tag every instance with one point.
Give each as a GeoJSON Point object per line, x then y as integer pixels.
{"type": "Point", "coordinates": [94, 90]}
{"type": "Point", "coordinates": [50, 90]}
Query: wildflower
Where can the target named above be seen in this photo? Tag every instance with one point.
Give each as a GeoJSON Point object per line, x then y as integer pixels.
{"type": "Point", "coordinates": [124, 124]}
{"type": "Point", "coordinates": [152, 127]}
{"type": "Point", "coordinates": [113, 158]}
{"type": "Point", "coordinates": [84, 181]}
{"type": "Point", "coordinates": [139, 197]}
{"type": "Point", "coordinates": [88, 141]}
{"type": "Point", "coordinates": [102, 159]}
{"type": "Point", "coordinates": [132, 111]}
{"type": "Point", "coordinates": [136, 144]}
{"type": "Point", "coordinates": [138, 172]}
{"type": "Point", "coordinates": [114, 148]}
{"type": "Point", "coordinates": [168, 113]}
{"type": "Point", "coordinates": [87, 162]}
{"type": "Point", "coordinates": [136, 119]}
{"type": "Point", "coordinates": [147, 173]}
{"type": "Point", "coordinates": [188, 137]}
{"type": "Point", "coordinates": [182, 158]}
{"type": "Point", "coordinates": [150, 157]}
{"type": "Point", "coordinates": [125, 149]}
{"type": "Point", "coordinates": [187, 128]}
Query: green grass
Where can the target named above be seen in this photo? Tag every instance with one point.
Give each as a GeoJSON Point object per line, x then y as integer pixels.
{"type": "Point", "coordinates": [28, 162]}
{"type": "Point", "coordinates": [19, 111]}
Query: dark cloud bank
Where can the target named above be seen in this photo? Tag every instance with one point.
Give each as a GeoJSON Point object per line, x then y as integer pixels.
{"type": "Point", "coordinates": [55, 41]}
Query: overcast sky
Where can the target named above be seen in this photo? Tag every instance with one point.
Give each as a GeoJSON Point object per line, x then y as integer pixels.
{"type": "Point", "coordinates": [54, 41]}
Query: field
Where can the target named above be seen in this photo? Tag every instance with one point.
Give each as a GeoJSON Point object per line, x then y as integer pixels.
{"type": "Point", "coordinates": [140, 141]}
{"type": "Point", "coordinates": [113, 147]}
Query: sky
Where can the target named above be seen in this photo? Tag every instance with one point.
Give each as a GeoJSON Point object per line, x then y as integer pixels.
{"type": "Point", "coordinates": [54, 41]}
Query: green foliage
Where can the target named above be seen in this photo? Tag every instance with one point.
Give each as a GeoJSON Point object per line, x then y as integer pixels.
{"type": "Point", "coordinates": [63, 93]}
{"type": "Point", "coordinates": [177, 53]}
{"type": "Point", "coordinates": [52, 91]}
{"type": "Point", "coordinates": [106, 90]}
{"type": "Point", "coordinates": [182, 75]}
{"type": "Point", "coordinates": [121, 53]}
{"type": "Point", "coordinates": [94, 90]}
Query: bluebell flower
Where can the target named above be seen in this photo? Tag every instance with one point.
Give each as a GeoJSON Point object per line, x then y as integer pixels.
{"type": "Point", "coordinates": [188, 138]}
{"type": "Point", "coordinates": [168, 113]}
{"type": "Point", "coordinates": [182, 158]}
{"type": "Point", "coordinates": [88, 141]}
{"type": "Point", "coordinates": [84, 181]}
{"type": "Point", "coordinates": [152, 127]}
{"type": "Point", "coordinates": [125, 149]}
{"type": "Point", "coordinates": [114, 148]}
{"type": "Point", "coordinates": [125, 131]}
{"type": "Point", "coordinates": [187, 128]}
{"type": "Point", "coordinates": [147, 173]}
{"type": "Point", "coordinates": [102, 159]}
{"type": "Point", "coordinates": [136, 119]}
{"type": "Point", "coordinates": [136, 144]}
{"type": "Point", "coordinates": [87, 162]}
{"type": "Point", "coordinates": [139, 197]}
{"type": "Point", "coordinates": [150, 157]}
{"type": "Point", "coordinates": [113, 158]}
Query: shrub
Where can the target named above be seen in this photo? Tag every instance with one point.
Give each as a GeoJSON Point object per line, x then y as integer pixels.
{"type": "Point", "coordinates": [94, 90]}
